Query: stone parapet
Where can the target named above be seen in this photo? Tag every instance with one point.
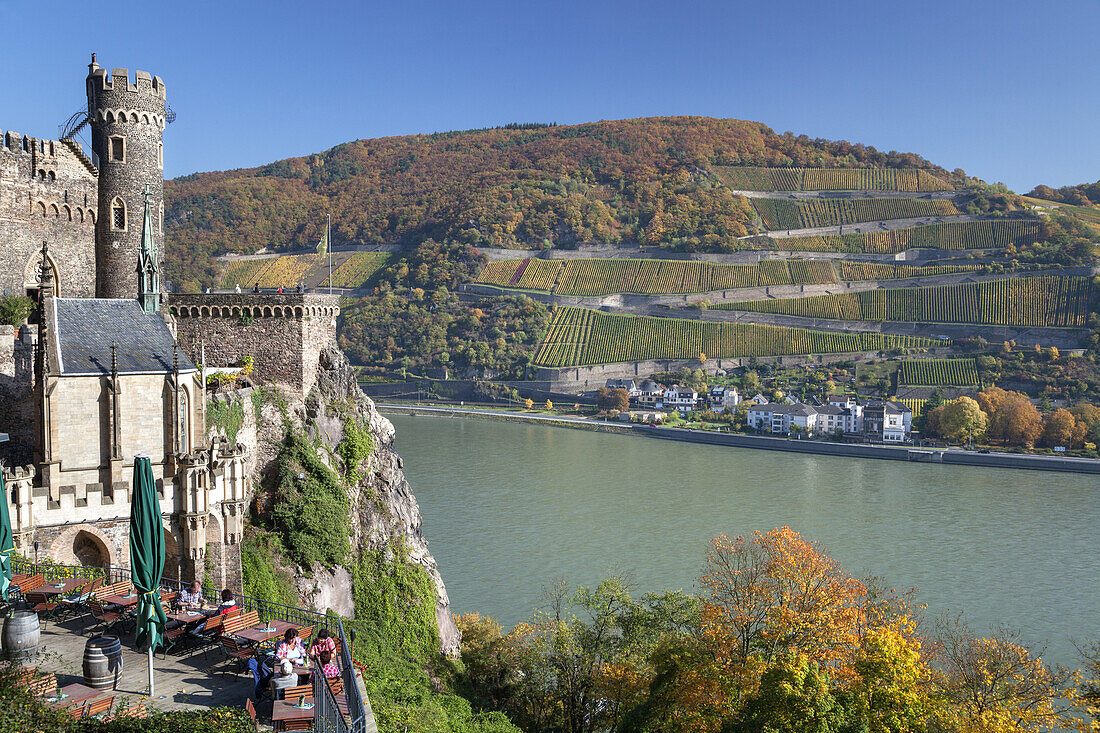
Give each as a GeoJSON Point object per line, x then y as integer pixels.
{"type": "Point", "coordinates": [283, 333]}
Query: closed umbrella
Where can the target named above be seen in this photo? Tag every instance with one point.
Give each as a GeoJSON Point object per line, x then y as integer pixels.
{"type": "Point", "coordinates": [147, 558]}
{"type": "Point", "coordinates": [7, 543]}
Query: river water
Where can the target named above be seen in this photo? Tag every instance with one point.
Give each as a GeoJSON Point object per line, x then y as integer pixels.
{"type": "Point", "coordinates": [509, 507]}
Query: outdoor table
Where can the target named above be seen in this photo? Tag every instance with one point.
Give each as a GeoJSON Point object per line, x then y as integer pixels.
{"type": "Point", "coordinates": [77, 694]}
{"type": "Point", "coordinates": [289, 710]}
{"type": "Point", "coordinates": [257, 635]}
{"type": "Point", "coordinates": [124, 601]}
{"type": "Point", "coordinates": [67, 585]}
{"type": "Point", "coordinates": [186, 617]}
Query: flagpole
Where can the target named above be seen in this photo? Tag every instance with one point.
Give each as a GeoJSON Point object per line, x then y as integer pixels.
{"type": "Point", "coordinates": [328, 240]}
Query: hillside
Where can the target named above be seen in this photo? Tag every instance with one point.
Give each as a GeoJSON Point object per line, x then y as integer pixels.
{"type": "Point", "coordinates": [653, 179]}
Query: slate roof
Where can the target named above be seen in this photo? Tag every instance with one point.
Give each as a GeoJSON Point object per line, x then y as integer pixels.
{"type": "Point", "coordinates": [85, 328]}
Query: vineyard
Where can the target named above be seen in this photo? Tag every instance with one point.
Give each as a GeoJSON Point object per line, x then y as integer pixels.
{"type": "Point", "coordinates": [1032, 301]}
{"type": "Point", "coordinates": [350, 270]}
{"type": "Point", "coordinates": [939, 373]}
{"type": "Point", "coordinates": [953, 235]}
{"type": "Point", "coordinates": [788, 214]}
{"type": "Point", "coordinates": [917, 406]}
{"type": "Point", "coordinates": [357, 270]}
{"type": "Point", "coordinates": [831, 179]}
{"type": "Point", "coordinates": [601, 277]}
{"type": "Point", "coordinates": [579, 336]}
{"type": "Point", "coordinates": [654, 277]}
{"type": "Point", "coordinates": [891, 271]}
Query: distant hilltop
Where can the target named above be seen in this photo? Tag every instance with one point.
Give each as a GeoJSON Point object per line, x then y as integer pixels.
{"type": "Point", "coordinates": [521, 185]}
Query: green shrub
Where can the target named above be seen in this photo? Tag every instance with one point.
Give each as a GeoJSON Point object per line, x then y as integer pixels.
{"type": "Point", "coordinates": [262, 578]}
{"type": "Point", "coordinates": [14, 309]}
{"type": "Point", "coordinates": [311, 507]}
{"type": "Point", "coordinates": [226, 415]}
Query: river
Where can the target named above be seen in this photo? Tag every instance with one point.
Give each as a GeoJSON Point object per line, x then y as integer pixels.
{"type": "Point", "coordinates": [508, 507]}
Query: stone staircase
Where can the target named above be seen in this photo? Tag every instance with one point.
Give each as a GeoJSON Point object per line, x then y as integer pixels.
{"type": "Point", "coordinates": [75, 148]}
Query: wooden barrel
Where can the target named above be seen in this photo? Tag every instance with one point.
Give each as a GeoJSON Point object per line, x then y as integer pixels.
{"type": "Point", "coordinates": [102, 662]}
{"type": "Point", "coordinates": [20, 636]}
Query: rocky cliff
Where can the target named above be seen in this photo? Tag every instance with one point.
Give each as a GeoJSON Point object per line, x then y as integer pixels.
{"type": "Point", "coordinates": [384, 510]}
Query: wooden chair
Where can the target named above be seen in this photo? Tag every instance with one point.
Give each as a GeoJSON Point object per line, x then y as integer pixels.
{"type": "Point", "coordinates": [304, 633]}
{"type": "Point", "coordinates": [75, 604]}
{"type": "Point", "coordinates": [99, 706]}
{"type": "Point", "coordinates": [290, 693]}
{"type": "Point", "coordinates": [297, 724]}
{"type": "Point", "coordinates": [336, 684]}
{"type": "Point", "coordinates": [44, 685]}
{"type": "Point", "coordinates": [137, 710]}
{"type": "Point", "coordinates": [251, 710]}
{"type": "Point", "coordinates": [235, 652]}
{"type": "Point", "coordinates": [41, 604]}
{"type": "Point", "coordinates": [103, 617]}
{"type": "Point", "coordinates": [31, 582]}
{"type": "Point", "coordinates": [76, 712]}
{"type": "Point", "coordinates": [206, 637]}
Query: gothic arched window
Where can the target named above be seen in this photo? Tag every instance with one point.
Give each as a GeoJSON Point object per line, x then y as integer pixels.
{"type": "Point", "coordinates": [118, 215]}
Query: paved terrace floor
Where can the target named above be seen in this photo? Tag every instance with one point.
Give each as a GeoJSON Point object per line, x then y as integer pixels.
{"type": "Point", "coordinates": [184, 681]}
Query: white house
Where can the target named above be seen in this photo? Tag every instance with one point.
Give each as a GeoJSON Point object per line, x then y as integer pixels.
{"type": "Point", "coordinates": [649, 393]}
{"type": "Point", "coordinates": [722, 398]}
{"type": "Point", "coordinates": [781, 418]}
{"type": "Point", "coordinates": [680, 398]}
{"type": "Point", "coordinates": [627, 384]}
{"type": "Point", "coordinates": [887, 421]}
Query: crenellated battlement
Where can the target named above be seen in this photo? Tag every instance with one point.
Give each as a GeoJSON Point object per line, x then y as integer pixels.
{"type": "Point", "coordinates": [119, 81]}
{"type": "Point", "coordinates": [17, 142]}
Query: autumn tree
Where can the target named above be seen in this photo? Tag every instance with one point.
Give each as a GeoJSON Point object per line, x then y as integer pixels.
{"type": "Point", "coordinates": [1062, 429]}
{"type": "Point", "coordinates": [613, 399]}
{"type": "Point", "coordinates": [775, 592]}
{"type": "Point", "coordinates": [528, 403]}
{"type": "Point", "coordinates": [890, 692]}
{"type": "Point", "coordinates": [794, 695]}
{"type": "Point", "coordinates": [995, 684]}
{"type": "Point", "coordinates": [1012, 417]}
{"type": "Point", "coordinates": [963, 420]}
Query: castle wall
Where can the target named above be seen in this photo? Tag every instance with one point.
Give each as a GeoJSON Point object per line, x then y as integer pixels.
{"type": "Point", "coordinates": [46, 192]}
{"type": "Point", "coordinates": [284, 334]}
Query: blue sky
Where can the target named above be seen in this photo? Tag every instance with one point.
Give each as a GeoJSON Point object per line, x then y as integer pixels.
{"type": "Point", "coordinates": [1005, 90]}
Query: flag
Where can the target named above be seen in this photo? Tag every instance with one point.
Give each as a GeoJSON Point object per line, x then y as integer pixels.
{"type": "Point", "coordinates": [322, 246]}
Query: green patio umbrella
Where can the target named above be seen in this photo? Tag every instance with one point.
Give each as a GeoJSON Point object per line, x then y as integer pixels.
{"type": "Point", "coordinates": [147, 558]}
{"type": "Point", "coordinates": [7, 543]}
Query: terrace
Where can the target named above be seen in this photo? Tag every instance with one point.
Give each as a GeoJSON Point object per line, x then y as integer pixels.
{"type": "Point", "coordinates": [193, 673]}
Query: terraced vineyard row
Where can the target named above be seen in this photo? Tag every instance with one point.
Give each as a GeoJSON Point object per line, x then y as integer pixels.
{"type": "Point", "coordinates": [891, 271]}
{"type": "Point", "coordinates": [952, 235]}
{"type": "Point", "coordinates": [917, 406]}
{"type": "Point", "coordinates": [1033, 301]}
{"type": "Point", "coordinates": [654, 277]}
{"type": "Point", "coordinates": [939, 373]}
{"type": "Point", "coordinates": [579, 336]}
{"type": "Point", "coordinates": [604, 276]}
{"type": "Point", "coordinates": [831, 179]}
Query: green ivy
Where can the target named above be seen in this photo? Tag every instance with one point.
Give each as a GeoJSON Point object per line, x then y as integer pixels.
{"type": "Point", "coordinates": [227, 416]}
{"type": "Point", "coordinates": [398, 642]}
{"type": "Point", "coordinates": [355, 447]}
{"type": "Point", "coordinates": [262, 577]}
{"type": "Point", "coordinates": [311, 508]}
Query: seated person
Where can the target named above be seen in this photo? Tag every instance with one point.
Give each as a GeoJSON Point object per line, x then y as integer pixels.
{"type": "Point", "coordinates": [229, 603]}
{"type": "Point", "coordinates": [327, 667]}
{"type": "Point", "coordinates": [291, 647]}
{"type": "Point", "coordinates": [283, 678]}
{"type": "Point", "coordinates": [323, 643]}
{"type": "Point", "coordinates": [191, 599]}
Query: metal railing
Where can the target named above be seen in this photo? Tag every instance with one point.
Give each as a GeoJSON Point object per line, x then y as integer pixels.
{"type": "Point", "coordinates": [327, 716]}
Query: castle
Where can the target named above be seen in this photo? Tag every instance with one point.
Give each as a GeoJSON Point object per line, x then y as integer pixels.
{"type": "Point", "coordinates": [108, 366]}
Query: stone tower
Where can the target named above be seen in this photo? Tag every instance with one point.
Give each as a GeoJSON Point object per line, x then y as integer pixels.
{"type": "Point", "coordinates": [127, 121]}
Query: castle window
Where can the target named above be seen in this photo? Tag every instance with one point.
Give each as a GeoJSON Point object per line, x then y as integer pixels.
{"type": "Point", "coordinates": [118, 215]}
{"type": "Point", "coordinates": [41, 174]}
{"type": "Point", "coordinates": [51, 176]}
{"type": "Point", "coordinates": [42, 209]}
{"type": "Point", "coordinates": [160, 154]}
{"type": "Point", "coordinates": [118, 149]}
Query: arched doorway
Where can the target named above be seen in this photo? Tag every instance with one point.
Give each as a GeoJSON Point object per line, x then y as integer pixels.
{"type": "Point", "coordinates": [90, 551]}
{"type": "Point", "coordinates": [30, 276]}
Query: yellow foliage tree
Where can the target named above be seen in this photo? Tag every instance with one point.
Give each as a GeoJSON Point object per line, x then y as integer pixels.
{"type": "Point", "coordinates": [528, 403]}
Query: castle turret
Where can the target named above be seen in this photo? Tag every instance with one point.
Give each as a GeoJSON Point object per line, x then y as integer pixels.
{"type": "Point", "coordinates": [127, 122]}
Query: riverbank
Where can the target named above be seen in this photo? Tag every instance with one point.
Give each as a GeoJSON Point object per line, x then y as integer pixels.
{"type": "Point", "coordinates": [879, 452]}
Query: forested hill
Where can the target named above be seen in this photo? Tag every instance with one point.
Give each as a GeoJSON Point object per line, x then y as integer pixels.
{"type": "Point", "coordinates": [522, 185]}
